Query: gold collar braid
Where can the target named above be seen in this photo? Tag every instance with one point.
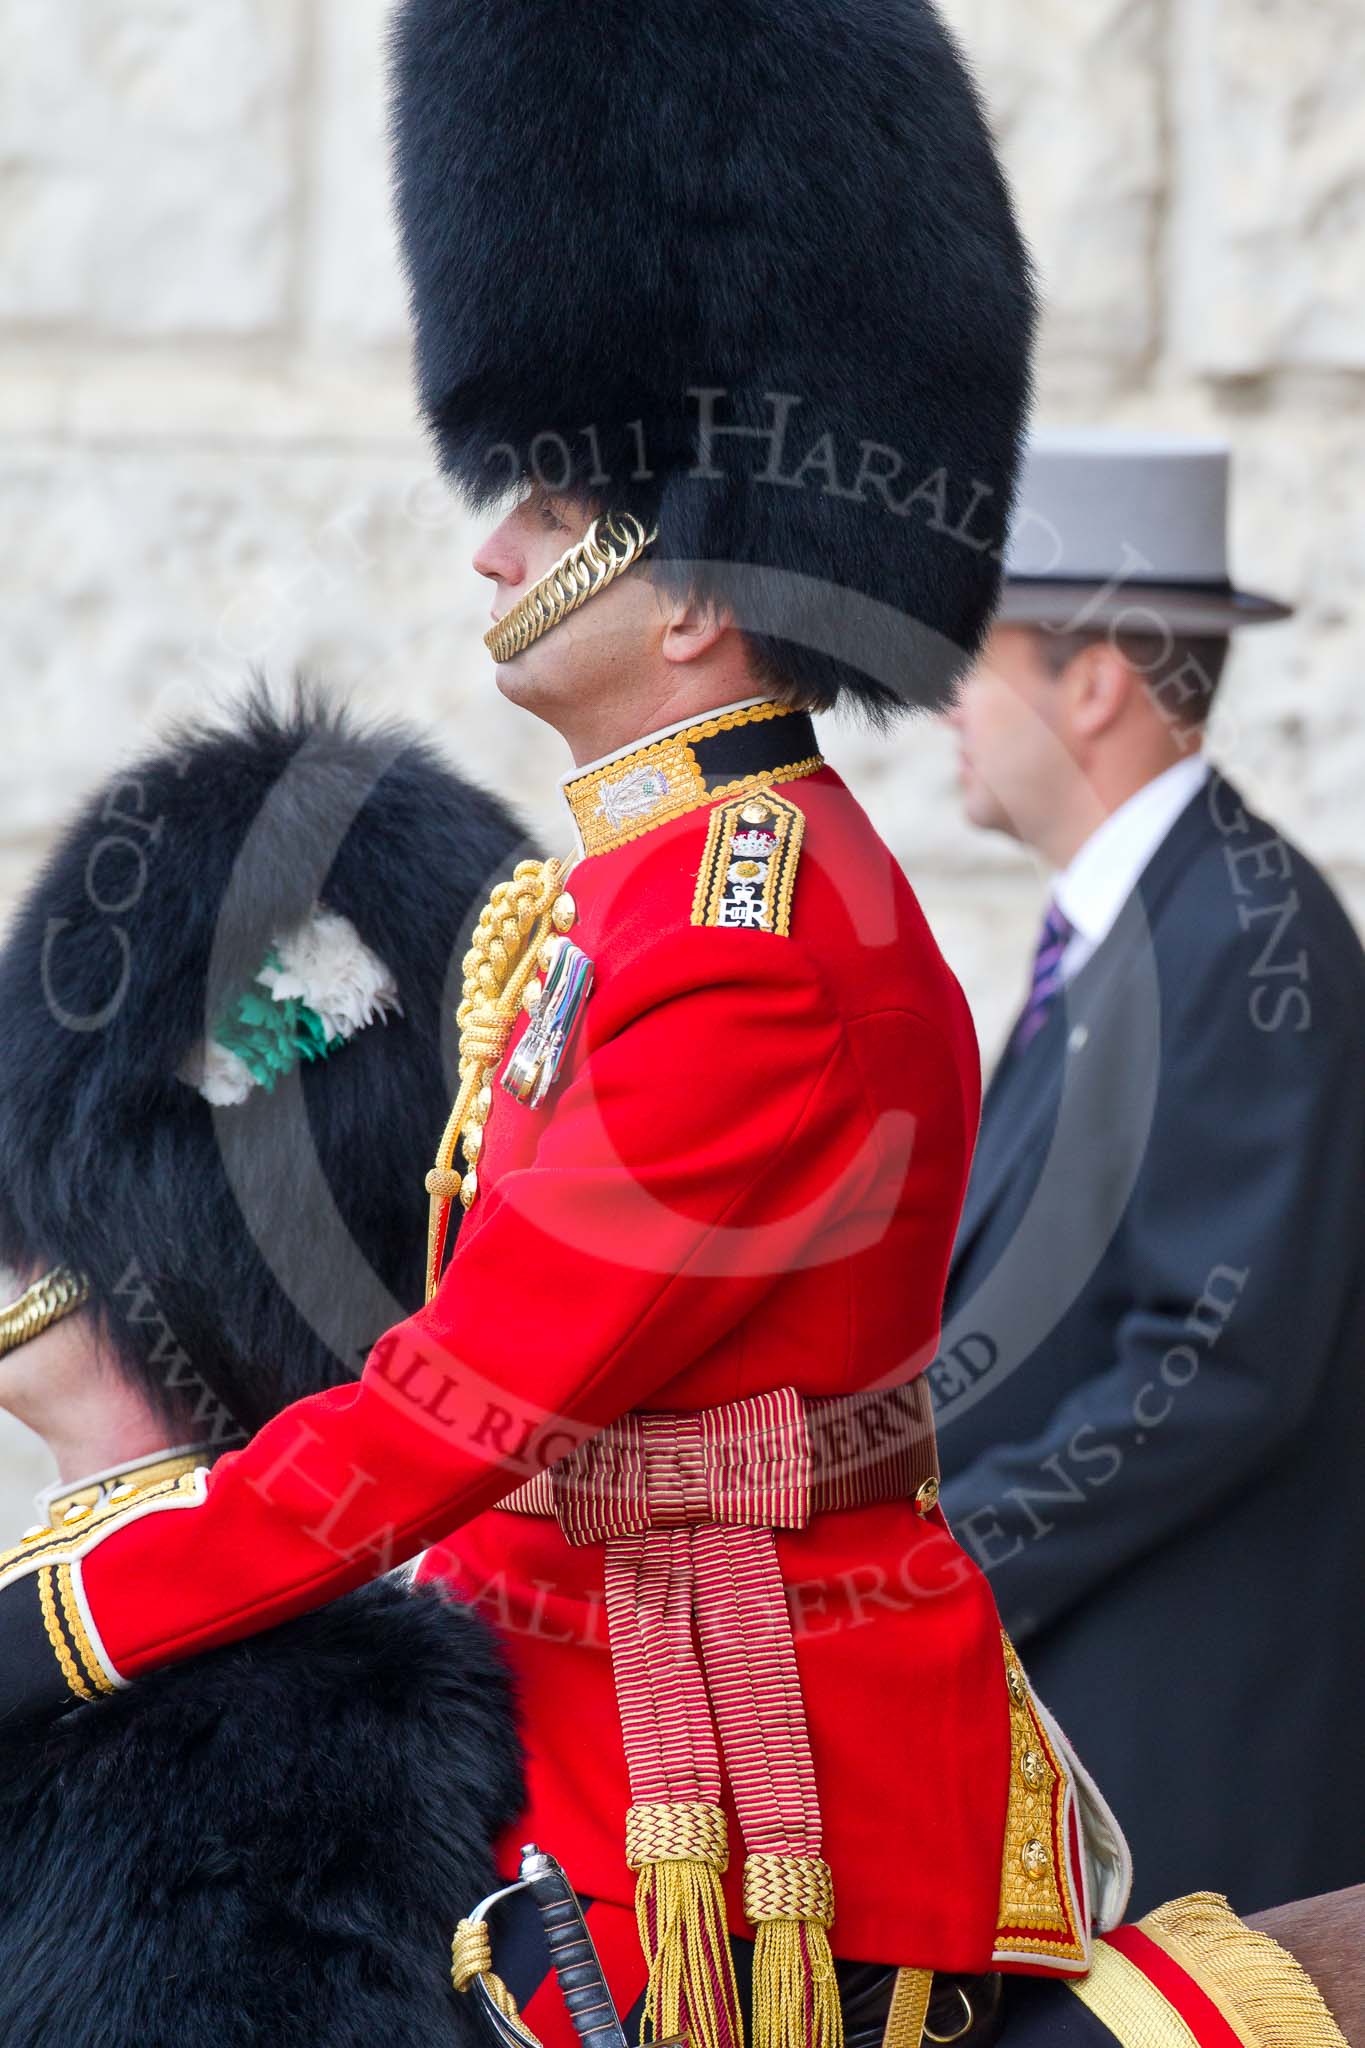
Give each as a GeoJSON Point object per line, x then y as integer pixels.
{"type": "Point", "coordinates": [732, 753]}
{"type": "Point", "coordinates": [57, 1294]}
{"type": "Point", "coordinates": [609, 547]}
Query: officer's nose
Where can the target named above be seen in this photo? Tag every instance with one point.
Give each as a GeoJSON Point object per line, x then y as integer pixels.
{"type": "Point", "coordinates": [501, 555]}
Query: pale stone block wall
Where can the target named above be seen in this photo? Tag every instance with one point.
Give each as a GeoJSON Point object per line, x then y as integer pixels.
{"type": "Point", "coordinates": [211, 461]}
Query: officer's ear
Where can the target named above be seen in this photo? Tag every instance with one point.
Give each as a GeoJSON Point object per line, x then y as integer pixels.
{"type": "Point", "coordinates": [692, 627]}
{"type": "Point", "coordinates": [1098, 684]}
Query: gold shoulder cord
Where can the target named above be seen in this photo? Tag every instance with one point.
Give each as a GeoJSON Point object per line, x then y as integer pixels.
{"type": "Point", "coordinates": [509, 939]}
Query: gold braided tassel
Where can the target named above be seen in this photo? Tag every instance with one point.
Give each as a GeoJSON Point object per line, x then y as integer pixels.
{"type": "Point", "coordinates": [790, 1899]}
{"type": "Point", "coordinates": [679, 1851]}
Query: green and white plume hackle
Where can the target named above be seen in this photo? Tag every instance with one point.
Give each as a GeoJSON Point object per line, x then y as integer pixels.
{"type": "Point", "coordinates": [315, 989]}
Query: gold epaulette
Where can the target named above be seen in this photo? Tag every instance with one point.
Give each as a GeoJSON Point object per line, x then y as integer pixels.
{"type": "Point", "coordinates": [748, 868]}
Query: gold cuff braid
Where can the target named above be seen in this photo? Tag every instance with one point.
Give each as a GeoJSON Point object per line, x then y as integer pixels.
{"type": "Point", "coordinates": [609, 547]}
{"type": "Point", "coordinates": [57, 1294]}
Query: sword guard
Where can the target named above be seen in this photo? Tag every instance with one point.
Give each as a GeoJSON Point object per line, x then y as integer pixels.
{"type": "Point", "coordinates": [577, 1966]}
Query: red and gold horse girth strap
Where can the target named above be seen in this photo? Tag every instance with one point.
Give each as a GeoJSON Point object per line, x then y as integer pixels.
{"type": "Point", "coordinates": [702, 1647]}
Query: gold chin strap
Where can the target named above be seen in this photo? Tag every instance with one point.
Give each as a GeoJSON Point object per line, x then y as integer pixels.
{"type": "Point", "coordinates": [611, 545]}
{"type": "Point", "coordinates": [45, 1302]}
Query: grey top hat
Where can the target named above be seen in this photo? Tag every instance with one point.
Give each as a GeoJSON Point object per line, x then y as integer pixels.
{"type": "Point", "coordinates": [1127, 530]}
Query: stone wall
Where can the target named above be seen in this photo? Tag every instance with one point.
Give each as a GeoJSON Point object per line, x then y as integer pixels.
{"type": "Point", "coordinates": [211, 461]}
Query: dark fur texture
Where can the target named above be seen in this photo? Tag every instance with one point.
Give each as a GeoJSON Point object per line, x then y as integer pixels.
{"type": "Point", "coordinates": [604, 206]}
{"type": "Point", "coordinates": [271, 1845]}
{"type": "Point", "coordinates": [124, 949]}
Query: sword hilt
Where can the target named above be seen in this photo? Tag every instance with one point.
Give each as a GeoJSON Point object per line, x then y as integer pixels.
{"type": "Point", "coordinates": [578, 1971]}
{"type": "Point", "coordinates": [576, 1966]}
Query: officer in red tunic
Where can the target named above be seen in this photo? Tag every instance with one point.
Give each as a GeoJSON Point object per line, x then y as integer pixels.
{"type": "Point", "coordinates": [732, 298]}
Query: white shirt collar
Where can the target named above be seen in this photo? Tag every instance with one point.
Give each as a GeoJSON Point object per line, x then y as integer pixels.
{"type": "Point", "coordinates": [1099, 878]}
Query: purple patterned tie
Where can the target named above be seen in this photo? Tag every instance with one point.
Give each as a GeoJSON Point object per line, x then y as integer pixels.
{"type": "Point", "coordinates": [1057, 932]}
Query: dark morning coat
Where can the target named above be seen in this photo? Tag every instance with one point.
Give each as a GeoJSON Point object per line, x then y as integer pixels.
{"type": "Point", "coordinates": [268, 1845]}
{"type": "Point", "coordinates": [1151, 1390]}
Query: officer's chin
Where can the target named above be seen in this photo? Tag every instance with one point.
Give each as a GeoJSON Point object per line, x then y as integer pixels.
{"type": "Point", "coordinates": [561, 669]}
{"type": "Point", "coordinates": [523, 681]}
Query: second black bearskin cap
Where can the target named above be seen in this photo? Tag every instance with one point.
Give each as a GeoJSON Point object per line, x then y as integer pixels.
{"type": "Point", "coordinates": [239, 1256]}
{"type": "Point", "coordinates": [627, 225]}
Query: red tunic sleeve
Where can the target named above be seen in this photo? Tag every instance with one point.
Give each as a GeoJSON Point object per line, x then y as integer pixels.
{"type": "Point", "coordinates": [710, 1135]}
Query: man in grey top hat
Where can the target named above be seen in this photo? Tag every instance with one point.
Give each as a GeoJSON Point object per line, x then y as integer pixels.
{"type": "Point", "coordinates": [1148, 1389]}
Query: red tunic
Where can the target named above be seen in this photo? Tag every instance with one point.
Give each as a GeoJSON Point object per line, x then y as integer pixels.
{"type": "Point", "coordinates": [813, 1099]}
{"type": "Point", "coordinates": [747, 1175]}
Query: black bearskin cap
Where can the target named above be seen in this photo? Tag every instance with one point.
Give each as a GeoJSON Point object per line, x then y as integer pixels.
{"type": "Point", "coordinates": [626, 225]}
{"type": "Point", "coordinates": [240, 1256]}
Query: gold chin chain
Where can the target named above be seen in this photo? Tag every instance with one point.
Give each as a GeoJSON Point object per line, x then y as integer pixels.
{"type": "Point", "coordinates": [45, 1302]}
{"type": "Point", "coordinates": [610, 546]}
